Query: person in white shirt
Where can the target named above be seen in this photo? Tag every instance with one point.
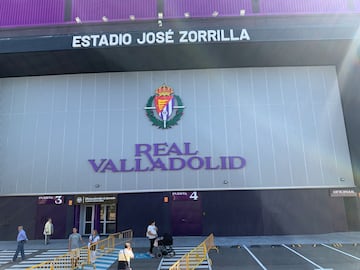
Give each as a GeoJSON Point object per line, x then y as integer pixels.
{"type": "Point", "coordinates": [124, 257]}
{"type": "Point", "coordinates": [151, 234]}
{"type": "Point", "coordinates": [94, 238]}
{"type": "Point", "coordinates": [48, 230]}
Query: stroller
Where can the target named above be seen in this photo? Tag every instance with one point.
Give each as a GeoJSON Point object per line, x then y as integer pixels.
{"type": "Point", "coordinates": [164, 246]}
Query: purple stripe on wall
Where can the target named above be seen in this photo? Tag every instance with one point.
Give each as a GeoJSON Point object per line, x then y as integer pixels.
{"type": "Point", "coordinates": [303, 6]}
{"type": "Point", "coordinates": [35, 12]}
{"type": "Point", "coordinates": [94, 10]}
{"type": "Point", "coordinates": [205, 8]}
{"type": "Point", "coordinates": [28, 12]}
{"type": "Point", "coordinates": [357, 5]}
{"type": "Point", "coordinates": [77, 217]}
{"type": "Point", "coordinates": [97, 218]}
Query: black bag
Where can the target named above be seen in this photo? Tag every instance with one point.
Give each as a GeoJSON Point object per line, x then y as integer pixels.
{"type": "Point", "coordinates": [123, 265]}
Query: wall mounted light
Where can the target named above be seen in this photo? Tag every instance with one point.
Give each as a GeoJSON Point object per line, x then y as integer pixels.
{"type": "Point", "coordinates": [186, 14]}
{"type": "Point", "coordinates": [160, 15]}
{"type": "Point", "coordinates": [77, 20]}
{"type": "Point", "coordinates": [132, 17]}
{"type": "Point", "coordinates": [242, 12]}
{"type": "Point", "coordinates": [105, 19]}
{"type": "Point", "coordinates": [215, 13]}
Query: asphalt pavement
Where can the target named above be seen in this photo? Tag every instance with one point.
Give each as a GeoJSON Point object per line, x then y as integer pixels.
{"type": "Point", "coordinates": [336, 251]}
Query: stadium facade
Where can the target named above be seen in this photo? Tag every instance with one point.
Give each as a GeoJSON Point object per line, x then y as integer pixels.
{"type": "Point", "coordinates": [237, 118]}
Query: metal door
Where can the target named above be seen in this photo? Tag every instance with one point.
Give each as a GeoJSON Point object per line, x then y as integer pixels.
{"type": "Point", "coordinates": [88, 219]}
{"type": "Point", "coordinates": [108, 219]}
{"type": "Point", "coordinates": [186, 213]}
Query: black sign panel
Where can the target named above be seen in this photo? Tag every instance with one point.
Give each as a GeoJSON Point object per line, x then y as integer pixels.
{"type": "Point", "coordinates": [57, 199]}
{"type": "Point", "coordinates": [191, 32]}
{"type": "Point", "coordinates": [95, 199]}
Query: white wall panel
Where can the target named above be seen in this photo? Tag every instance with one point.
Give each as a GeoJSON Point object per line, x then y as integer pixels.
{"type": "Point", "coordinates": [286, 122]}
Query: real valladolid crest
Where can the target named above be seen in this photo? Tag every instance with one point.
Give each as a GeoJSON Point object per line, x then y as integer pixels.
{"type": "Point", "coordinates": [164, 109]}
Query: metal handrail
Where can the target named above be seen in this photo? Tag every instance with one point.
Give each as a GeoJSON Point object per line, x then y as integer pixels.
{"type": "Point", "coordinates": [196, 256]}
{"type": "Point", "coordinates": [68, 260]}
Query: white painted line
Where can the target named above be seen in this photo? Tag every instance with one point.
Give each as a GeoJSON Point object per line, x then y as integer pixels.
{"type": "Point", "coordinates": [209, 261]}
{"type": "Point", "coordinates": [342, 252]}
{"type": "Point", "coordinates": [254, 257]}
{"type": "Point", "coordinates": [159, 267]}
{"type": "Point", "coordinates": [306, 259]}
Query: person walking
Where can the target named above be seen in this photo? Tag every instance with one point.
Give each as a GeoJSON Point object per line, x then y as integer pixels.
{"type": "Point", "coordinates": [48, 230]}
{"type": "Point", "coordinates": [151, 234]}
{"type": "Point", "coordinates": [94, 238]}
{"type": "Point", "coordinates": [125, 255]}
{"type": "Point", "coordinates": [75, 241]}
{"type": "Point", "coordinates": [21, 240]}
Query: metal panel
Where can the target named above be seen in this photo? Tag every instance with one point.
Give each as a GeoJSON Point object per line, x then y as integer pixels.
{"type": "Point", "coordinates": [31, 12]}
{"type": "Point", "coordinates": [94, 10]}
{"type": "Point", "coordinates": [205, 8]}
{"type": "Point", "coordinates": [303, 6]}
{"type": "Point", "coordinates": [357, 5]}
{"type": "Point", "coordinates": [286, 122]}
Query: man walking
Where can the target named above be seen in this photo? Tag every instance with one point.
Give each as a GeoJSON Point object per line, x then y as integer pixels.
{"type": "Point", "coordinates": [21, 240]}
{"type": "Point", "coordinates": [75, 241]}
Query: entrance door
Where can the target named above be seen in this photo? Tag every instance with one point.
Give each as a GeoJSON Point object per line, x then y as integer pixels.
{"type": "Point", "coordinates": [108, 219]}
{"type": "Point", "coordinates": [89, 218]}
{"type": "Point", "coordinates": [186, 213]}
{"type": "Point", "coordinates": [59, 219]}
{"type": "Point", "coordinates": [352, 206]}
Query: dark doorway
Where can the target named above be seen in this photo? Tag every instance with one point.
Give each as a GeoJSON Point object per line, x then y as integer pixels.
{"type": "Point", "coordinates": [352, 213]}
{"type": "Point", "coordinates": [58, 215]}
{"type": "Point", "coordinates": [186, 213]}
